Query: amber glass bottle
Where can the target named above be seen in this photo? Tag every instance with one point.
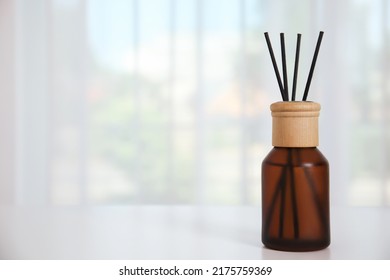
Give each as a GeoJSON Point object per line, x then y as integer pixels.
{"type": "Point", "coordinates": [295, 181]}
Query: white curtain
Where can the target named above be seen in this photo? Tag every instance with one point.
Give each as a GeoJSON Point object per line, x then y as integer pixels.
{"type": "Point", "coordinates": [167, 101]}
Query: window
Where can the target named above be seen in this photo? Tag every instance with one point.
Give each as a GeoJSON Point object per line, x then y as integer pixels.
{"type": "Point", "coordinates": [167, 101]}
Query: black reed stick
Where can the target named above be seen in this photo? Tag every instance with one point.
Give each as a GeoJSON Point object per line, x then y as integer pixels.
{"type": "Point", "coordinates": [278, 188]}
{"type": "Point", "coordinates": [284, 65]}
{"type": "Point", "coordinates": [271, 52]}
{"type": "Point", "coordinates": [282, 206]}
{"type": "Point", "coordinates": [297, 50]}
{"type": "Point", "coordinates": [281, 189]}
{"type": "Point", "coordinates": [313, 64]}
{"type": "Point", "coordinates": [315, 195]}
{"type": "Point", "coordinates": [293, 194]}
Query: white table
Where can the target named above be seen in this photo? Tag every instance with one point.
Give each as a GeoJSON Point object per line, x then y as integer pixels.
{"type": "Point", "coordinates": [175, 232]}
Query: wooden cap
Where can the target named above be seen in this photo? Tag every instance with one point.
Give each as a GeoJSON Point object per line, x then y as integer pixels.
{"type": "Point", "coordinates": [295, 124]}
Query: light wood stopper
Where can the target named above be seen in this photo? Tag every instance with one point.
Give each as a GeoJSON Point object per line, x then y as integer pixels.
{"type": "Point", "coordinates": [295, 124]}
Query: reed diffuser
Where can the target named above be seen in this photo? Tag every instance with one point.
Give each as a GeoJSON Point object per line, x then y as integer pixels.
{"type": "Point", "coordinates": [295, 174]}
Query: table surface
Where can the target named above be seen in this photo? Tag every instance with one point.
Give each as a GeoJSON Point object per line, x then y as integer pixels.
{"type": "Point", "coordinates": [176, 232]}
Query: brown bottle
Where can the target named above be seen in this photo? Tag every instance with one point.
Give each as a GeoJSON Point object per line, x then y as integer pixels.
{"type": "Point", "coordinates": [295, 181]}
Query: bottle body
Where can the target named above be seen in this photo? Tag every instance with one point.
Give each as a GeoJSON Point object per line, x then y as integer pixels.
{"type": "Point", "coordinates": [295, 199]}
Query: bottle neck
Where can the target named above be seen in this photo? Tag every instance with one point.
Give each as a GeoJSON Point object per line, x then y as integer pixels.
{"type": "Point", "coordinates": [295, 124]}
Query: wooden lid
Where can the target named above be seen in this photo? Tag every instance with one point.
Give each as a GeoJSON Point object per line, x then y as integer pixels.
{"type": "Point", "coordinates": [295, 124]}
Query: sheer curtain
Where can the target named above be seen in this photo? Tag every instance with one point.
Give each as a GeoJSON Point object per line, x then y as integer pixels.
{"type": "Point", "coordinates": [167, 101]}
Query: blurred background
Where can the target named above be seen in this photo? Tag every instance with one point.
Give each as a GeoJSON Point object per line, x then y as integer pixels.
{"type": "Point", "coordinates": [167, 101]}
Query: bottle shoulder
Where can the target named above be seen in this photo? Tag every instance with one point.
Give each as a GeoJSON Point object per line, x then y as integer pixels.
{"type": "Point", "coordinates": [295, 156]}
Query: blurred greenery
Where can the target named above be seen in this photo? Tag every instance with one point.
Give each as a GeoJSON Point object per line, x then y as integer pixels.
{"type": "Point", "coordinates": [132, 134]}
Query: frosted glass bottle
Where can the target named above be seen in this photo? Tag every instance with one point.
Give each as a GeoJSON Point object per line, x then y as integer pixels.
{"type": "Point", "coordinates": [295, 181]}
